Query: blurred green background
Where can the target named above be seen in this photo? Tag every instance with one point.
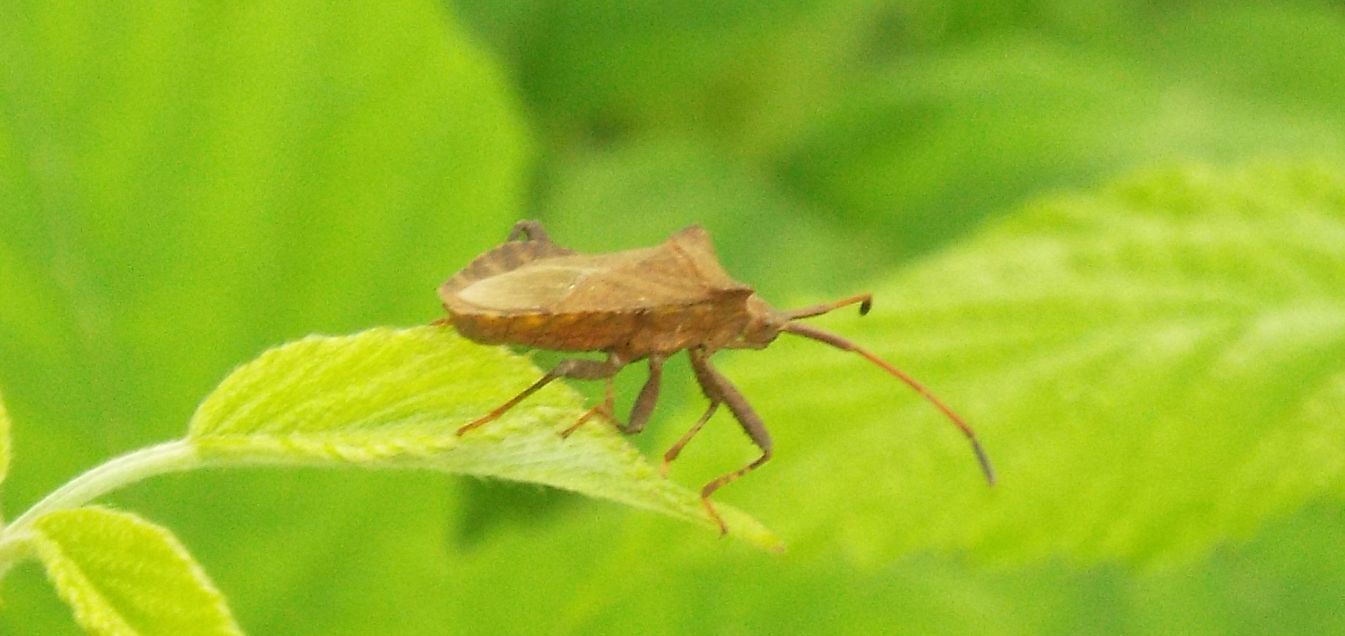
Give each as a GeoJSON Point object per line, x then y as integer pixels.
{"type": "Point", "coordinates": [183, 185]}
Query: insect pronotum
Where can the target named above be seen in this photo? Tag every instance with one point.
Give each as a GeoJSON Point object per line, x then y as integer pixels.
{"type": "Point", "coordinates": [640, 304]}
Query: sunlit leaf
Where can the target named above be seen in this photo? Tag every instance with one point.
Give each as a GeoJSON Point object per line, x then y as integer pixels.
{"type": "Point", "coordinates": [394, 398]}
{"type": "Point", "coordinates": [125, 576]}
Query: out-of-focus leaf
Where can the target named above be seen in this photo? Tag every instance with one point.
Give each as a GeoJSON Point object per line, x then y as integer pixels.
{"type": "Point", "coordinates": [748, 73]}
{"type": "Point", "coordinates": [1283, 579]}
{"type": "Point", "coordinates": [1209, 50]}
{"type": "Point", "coordinates": [925, 149]}
{"type": "Point", "coordinates": [124, 576]}
{"type": "Point", "coordinates": [185, 183]}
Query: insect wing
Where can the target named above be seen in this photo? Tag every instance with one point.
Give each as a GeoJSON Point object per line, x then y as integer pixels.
{"type": "Point", "coordinates": [505, 258]}
{"type": "Point", "coordinates": [682, 271]}
{"type": "Point", "coordinates": [535, 287]}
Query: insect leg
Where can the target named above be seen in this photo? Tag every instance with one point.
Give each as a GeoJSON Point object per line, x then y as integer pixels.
{"type": "Point", "coordinates": [644, 403]}
{"type": "Point", "coordinates": [528, 231]}
{"type": "Point", "coordinates": [572, 368]}
{"type": "Point", "coordinates": [719, 389]}
{"type": "Point", "coordinates": [676, 449]}
{"type": "Point", "coordinates": [606, 409]}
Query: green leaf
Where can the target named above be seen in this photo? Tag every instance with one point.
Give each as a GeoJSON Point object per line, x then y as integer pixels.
{"type": "Point", "coordinates": [124, 575]}
{"type": "Point", "coordinates": [1154, 369]}
{"type": "Point", "coordinates": [925, 147]}
{"type": "Point", "coordinates": [395, 397]}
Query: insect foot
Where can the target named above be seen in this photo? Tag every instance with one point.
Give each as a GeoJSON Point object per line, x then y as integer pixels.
{"type": "Point", "coordinates": [606, 410]}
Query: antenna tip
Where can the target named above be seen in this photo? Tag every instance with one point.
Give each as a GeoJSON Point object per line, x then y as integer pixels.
{"type": "Point", "coordinates": [865, 305]}
{"type": "Point", "coordinates": [984, 459]}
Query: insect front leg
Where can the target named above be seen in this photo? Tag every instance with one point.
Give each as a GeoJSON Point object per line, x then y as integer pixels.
{"type": "Point", "coordinates": [573, 368]}
{"type": "Point", "coordinates": [719, 389]}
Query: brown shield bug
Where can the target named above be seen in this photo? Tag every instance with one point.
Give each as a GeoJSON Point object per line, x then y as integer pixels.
{"type": "Point", "coordinates": [640, 304]}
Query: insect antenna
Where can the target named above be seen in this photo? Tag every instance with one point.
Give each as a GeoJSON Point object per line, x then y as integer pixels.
{"type": "Point", "coordinates": [843, 344]}
{"type": "Point", "coordinates": [865, 302]}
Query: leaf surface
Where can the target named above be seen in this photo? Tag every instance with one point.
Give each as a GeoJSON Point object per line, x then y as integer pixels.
{"type": "Point", "coordinates": [395, 397]}
{"type": "Point", "coordinates": [123, 575]}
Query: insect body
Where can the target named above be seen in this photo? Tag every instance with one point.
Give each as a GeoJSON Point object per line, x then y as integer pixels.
{"type": "Point", "coordinates": [641, 304]}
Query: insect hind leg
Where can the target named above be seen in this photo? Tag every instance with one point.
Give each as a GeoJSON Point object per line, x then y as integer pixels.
{"type": "Point", "coordinates": [718, 389]}
{"type": "Point", "coordinates": [575, 368]}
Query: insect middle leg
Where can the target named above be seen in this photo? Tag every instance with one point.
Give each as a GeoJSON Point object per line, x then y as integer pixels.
{"type": "Point", "coordinates": [718, 389]}
{"type": "Point", "coordinates": [573, 368]}
{"type": "Point", "coordinates": [644, 403]}
{"type": "Point", "coordinates": [605, 409]}
{"type": "Point", "coordinates": [676, 449]}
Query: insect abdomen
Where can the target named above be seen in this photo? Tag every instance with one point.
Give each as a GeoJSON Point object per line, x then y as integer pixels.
{"type": "Point", "coordinates": [640, 332]}
{"type": "Point", "coordinates": [588, 331]}
{"type": "Point", "coordinates": [673, 328]}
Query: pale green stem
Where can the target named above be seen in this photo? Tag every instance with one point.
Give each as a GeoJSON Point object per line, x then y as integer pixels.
{"type": "Point", "coordinates": [12, 548]}
{"type": "Point", "coordinates": [98, 481]}
{"type": "Point", "coordinates": [118, 472]}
